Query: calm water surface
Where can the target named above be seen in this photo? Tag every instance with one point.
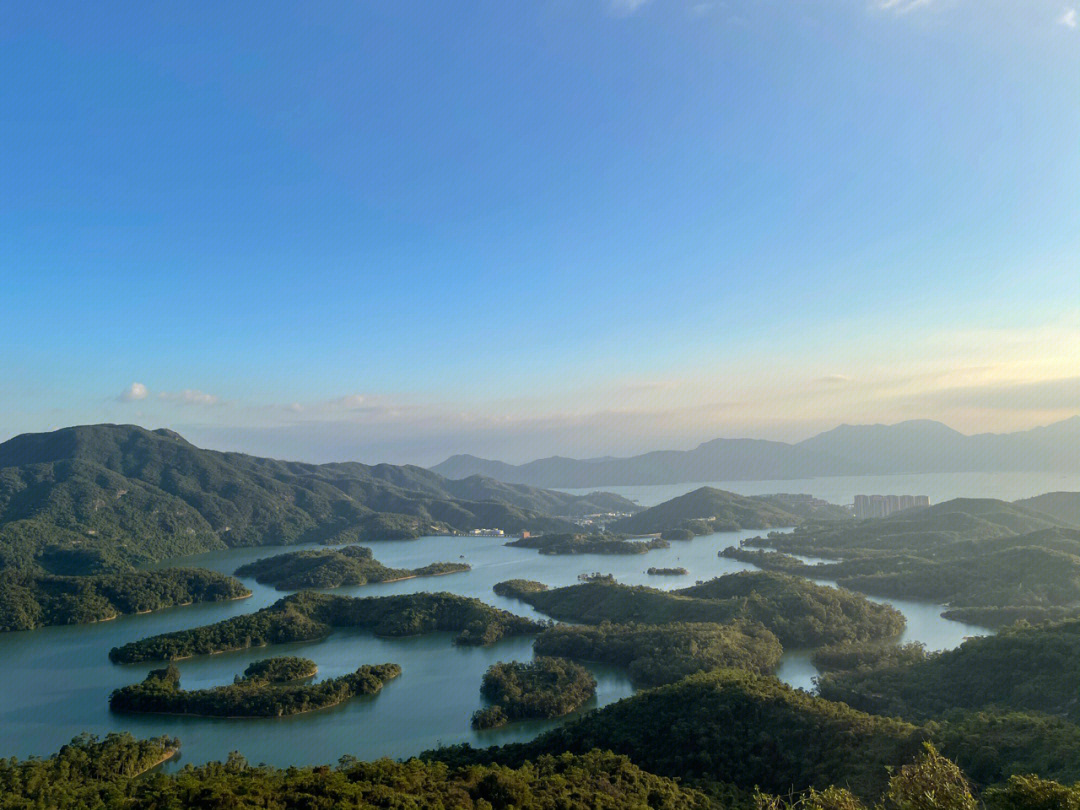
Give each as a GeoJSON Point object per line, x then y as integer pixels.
{"type": "Point", "coordinates": [55, 682]}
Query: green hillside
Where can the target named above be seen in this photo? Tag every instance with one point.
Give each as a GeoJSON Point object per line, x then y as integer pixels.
{"type": "Point", "coordinates": [1061, 506]}
{"type": "Point", "coordinates": [707, 510]}
{"type": "Point", "coordinates": [83, 498]}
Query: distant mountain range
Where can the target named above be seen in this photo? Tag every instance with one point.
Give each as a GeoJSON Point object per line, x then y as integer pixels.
{"type": "Point", "coordinates": [83, 498]}
{"type": "Point", "coordinates": [919, 446]}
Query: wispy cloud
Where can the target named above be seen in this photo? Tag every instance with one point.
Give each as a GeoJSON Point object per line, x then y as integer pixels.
{"type": "Point", "coordinates": [1068, 18]}
{"type": "Point", "coordinates": [902, 6]}
{"type": "Point", "coordinates": [624, 8]}
{"type": "Point", "coordinates": [134, 393]}
{"type": "Point", "coordinates": [833, 379]}
{"type": "Point", "coordinates": [189, 396]}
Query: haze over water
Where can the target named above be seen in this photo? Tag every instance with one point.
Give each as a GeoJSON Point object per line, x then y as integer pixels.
{"type": "Point", "coordinates": [1007, 486]}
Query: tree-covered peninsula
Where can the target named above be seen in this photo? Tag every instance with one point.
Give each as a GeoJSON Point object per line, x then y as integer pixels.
{"type": "Point", "coordinates": [268, 688]}
{"type": "Point", "coordinates": [665, 653]}
{"type": "Point", "coordinates": [332, 568]}
{"type": "Point", "coordinates": [544, 687]}
{"type": "Point", "coordinates": [983, 576]}
{"type": "Point", "coordinates": [800, 613]}
{"type": "Point", "coordinates": [310, 615]}
{"type": "Point", "coordinates": [30, 599]}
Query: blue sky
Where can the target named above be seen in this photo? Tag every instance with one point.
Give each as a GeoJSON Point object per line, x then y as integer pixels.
{"type": "Point", "coordinates": [396, 230]}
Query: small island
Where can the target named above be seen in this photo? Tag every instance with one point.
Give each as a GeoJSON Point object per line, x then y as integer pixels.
{"type": "Point", "coordinates": [546, 687]}
{"type": "Point", "coordinates": [667, 572]}
{"type": "Point", "coordinates": [332, 568]}
{"type": "Point", "coordinates": [589, 544]}
{"type": "Point", "coordinates": [310, 615]}
{"type": "Point", "coordinates": [273, 687]}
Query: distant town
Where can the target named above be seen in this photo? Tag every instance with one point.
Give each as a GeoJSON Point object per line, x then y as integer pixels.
{"type": "Point", "coordinates": [879, 506]}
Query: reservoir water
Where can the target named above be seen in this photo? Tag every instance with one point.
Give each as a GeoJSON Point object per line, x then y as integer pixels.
{"type": "Point", "coordinates": [56, 681]}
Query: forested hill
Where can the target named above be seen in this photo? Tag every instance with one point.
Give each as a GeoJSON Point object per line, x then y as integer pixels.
{"type": "Point", "coordinates": [78, 498]}
{"type": "Point", "coordinates": [721, 510]}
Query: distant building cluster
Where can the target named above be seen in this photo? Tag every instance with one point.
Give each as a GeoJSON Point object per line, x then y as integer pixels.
{"type": "Point", "coordinates": [487, 533]}
{"type": "Point", "coordinates": [879, 506]}
{"type": "Point", "coordinates": [597, 521]}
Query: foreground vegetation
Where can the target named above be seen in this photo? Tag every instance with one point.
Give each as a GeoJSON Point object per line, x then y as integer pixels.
{"type": "Point", "coordinates": [730, 727]}
{"type": "Point", "coordinates": [544, 687]}
{"type": "Point", "coordinates": [659, 654]}
{"type": "Point", "coordinates": [29, 600]}
{"type": "Point", "coordinates": [90, 773]}
{"type": "Point", "coordinates": [309, 615]}
{"type": "Point", "coordinates": [799, 612]}
{"type": "Point", "coordinates": [267, 688]}
{"type": "Point", "coordinates": [332, 568]}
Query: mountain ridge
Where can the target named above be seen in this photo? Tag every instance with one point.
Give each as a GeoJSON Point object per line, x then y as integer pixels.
{"type": "Point", "coordinates": [90, 496]}
{"type": "Point", "coordinates": [912, 446]}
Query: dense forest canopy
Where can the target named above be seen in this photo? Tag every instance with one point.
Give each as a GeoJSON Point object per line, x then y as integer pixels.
{"type": "Point", "coordinates": [732, 727]}
{"type": "Point", "coordinates": [102, 774]}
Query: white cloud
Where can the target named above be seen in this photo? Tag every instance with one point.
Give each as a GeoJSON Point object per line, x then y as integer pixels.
{"type": "Point", "coordinates": [134, 393]}
{"type": "Point", "coordinates": [350, 402]}
{"type": "Point", "coordinates": [189, 396]}
{"type": "Point", "coordinates": [1068, 18]}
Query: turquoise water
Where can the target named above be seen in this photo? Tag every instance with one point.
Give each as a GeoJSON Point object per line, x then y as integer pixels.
{"type": "Point", "coordinates": [56, 681]}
